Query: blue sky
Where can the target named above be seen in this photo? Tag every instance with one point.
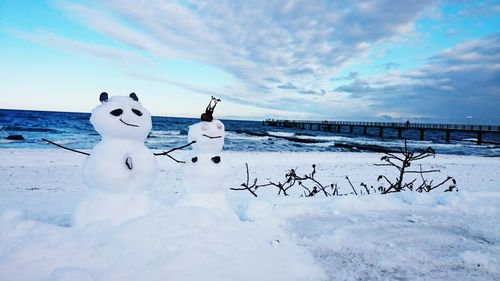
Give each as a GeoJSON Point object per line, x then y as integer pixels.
{"type": "Point", "coordinates": [424, 61]}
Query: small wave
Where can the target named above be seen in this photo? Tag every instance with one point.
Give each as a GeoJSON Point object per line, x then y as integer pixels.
{"type": "Point", "coordinates": [30, 129]}
{"type": "Point", "coordinates": [165, 140]}
{"type": "Point", "coordinates": [281, 134]}
{"type": "Point", "coordinates": [3, 141]}
{"type": "Point", "coordinates": [304, 135]}
{"type": "Point", "coordinates": [63, 141]}
{"type": "Point", "coordinates": [243, 136]}
{"type": "Point", "coordinates": [165, 133]}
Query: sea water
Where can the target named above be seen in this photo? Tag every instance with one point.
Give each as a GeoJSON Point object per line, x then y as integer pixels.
{"type": "Point", "coordinates": [75, 131]}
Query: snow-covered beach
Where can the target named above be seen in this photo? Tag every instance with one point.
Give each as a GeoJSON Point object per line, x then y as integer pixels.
{"type": "Point", "coordinates": [284, 140]}
{"type": "Point", "coordinates": [405, 236]}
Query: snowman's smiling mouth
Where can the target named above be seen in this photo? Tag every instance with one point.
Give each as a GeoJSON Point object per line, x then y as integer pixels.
{"type": "Point", "coordinates": [132, 125]}
{"type": "Point", "coordinates": [216, 137]}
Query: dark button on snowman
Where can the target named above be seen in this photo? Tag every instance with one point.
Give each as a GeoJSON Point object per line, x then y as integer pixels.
{"type": "Point", "coordinates": [205, 172]}
{"type": "Point", "coordinates": [120, 167]}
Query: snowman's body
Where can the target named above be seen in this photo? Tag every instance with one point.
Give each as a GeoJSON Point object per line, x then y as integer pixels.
{"type": "Point", "coordinates": [120, 167]}
{"type": "Point", "coordinates": [106, 167]}
{"type": "Point", "coordinates": [206, 171]}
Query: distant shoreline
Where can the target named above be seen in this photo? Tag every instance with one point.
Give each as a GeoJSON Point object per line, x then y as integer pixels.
{"type": "Point", "coordinates": [25, 129]}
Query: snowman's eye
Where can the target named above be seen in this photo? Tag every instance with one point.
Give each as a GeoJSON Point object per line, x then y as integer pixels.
{"type": "Point", "coordinates": [137, 112]}
{"type": "Point", "coordinates": [116, 112]}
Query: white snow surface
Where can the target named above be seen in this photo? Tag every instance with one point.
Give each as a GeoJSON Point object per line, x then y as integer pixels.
{"type": "Point", "coordinates": [405, 236]}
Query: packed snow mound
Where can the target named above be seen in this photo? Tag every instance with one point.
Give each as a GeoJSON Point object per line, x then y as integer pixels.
{"type": "Point", "coordinates": [181, 243]}
{"type": "Point", "coordinates": [114, 208]}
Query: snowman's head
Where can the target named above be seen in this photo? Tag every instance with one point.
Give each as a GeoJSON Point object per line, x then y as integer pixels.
{"type": "Point", "coordinates": [209, 136]}
{"type": "Point", "coordinates": [121, 117]}
{"type": "Point", "coordinates": [209, 133]}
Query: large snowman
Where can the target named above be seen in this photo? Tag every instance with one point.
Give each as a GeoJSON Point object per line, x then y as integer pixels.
{"type": "Point", "coordinates": [205, 173]}
{"type": "Point", "coordinates": [120, 167]}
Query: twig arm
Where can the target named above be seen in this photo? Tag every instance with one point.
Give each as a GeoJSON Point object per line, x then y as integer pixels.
{"type": "Point", "coordinates": [67, 148]}
{"type": "Point", "coordinates": [174, 149]}
{"type": "Point", "coordinates": [178, 161]}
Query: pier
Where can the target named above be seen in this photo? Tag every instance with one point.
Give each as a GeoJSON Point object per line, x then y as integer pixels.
{"type": "Point", "coordinates": [382, 127]}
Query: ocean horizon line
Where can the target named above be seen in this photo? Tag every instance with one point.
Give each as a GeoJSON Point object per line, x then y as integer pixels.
{"type": "Point", "coordinates": [235, 118]}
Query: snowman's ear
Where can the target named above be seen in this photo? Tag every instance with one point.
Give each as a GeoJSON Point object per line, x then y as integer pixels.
{"type": "Point", "coordinates": [103, 97]}
{"type": "Point", "coordinates": [134, 96]}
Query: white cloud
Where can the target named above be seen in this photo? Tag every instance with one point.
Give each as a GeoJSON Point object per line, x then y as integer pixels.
{"type": "Point", "coordinates": [106, 24]}
{"type": "Point", "coordinates": [459, 81]}
{"type": "Point", "coordinates": [115, 55]}
{"type": "Point", "coordinates": [284, 54]}
{"type": "Point", "coordinates": [300, 43]}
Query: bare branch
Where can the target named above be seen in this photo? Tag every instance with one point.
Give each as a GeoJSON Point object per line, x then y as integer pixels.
{"type": "Point", "coordinates": [246, 185]}
{"type": "Point", "coordinates": [423, 172]}
{"type": "Point", "coordinates": [353, 189]}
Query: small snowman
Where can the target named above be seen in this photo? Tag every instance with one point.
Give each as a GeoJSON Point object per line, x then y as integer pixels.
{"type": "Point", "coordinates": [120, 167]}
{"type": "Point", "coordinates": [205, 173]}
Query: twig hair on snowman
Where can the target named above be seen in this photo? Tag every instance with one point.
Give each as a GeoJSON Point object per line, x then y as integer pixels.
{"type": "Point", "coordinates": [209, 111]}
{"type": "Point", "coordinates": [208, 135]}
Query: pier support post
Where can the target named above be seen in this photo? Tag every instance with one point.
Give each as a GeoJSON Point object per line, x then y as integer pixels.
{"type": "Point", "coordinates": [365, 130]}
{"type": "Point", "coordinates": [350, 129]}
{"type": "Point", "coordinates": [479, 138]}
{"type": "Point", "coordinates": [422, 134]}
{"type": "Point", "coordinates": [381, 132]}
{"type": "Point", "coordinates": [400, 132]}
{"type": "Point", "coordinates": [448, 136]}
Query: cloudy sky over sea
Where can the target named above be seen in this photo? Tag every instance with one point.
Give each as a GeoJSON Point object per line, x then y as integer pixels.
{"type": "Point", "coordinates": [420, 60]}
